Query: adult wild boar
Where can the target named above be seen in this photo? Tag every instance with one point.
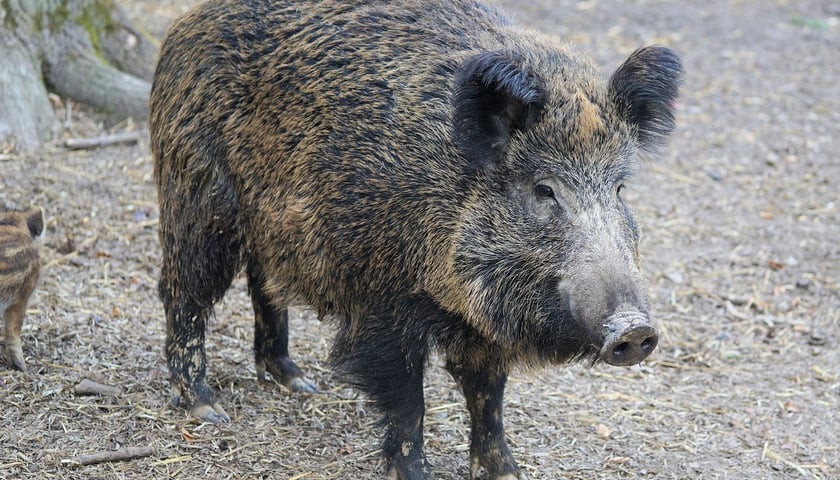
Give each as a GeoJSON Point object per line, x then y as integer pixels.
{"type": "Point", "coordinates": [422, 171]}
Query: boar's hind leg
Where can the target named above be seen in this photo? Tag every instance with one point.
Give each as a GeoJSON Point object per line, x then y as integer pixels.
{"type": "Point", "coordinates": [271, 338]}
{"type": "Point", "coordinates": [484, 387]}
{"type": "Point", "coordinates": [185, 325]}
{"type": "Point", "coordinates": [201, 254]}
{"type": "Point", "coordinates": [388, 366]}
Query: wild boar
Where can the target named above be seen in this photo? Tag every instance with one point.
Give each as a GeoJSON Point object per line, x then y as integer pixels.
{"type": "Point", "coordinates": [424, 172]}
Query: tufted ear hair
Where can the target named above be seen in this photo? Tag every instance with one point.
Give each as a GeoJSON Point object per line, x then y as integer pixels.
{"type": "Point", "coordinates": [645, 88]}
{"type": "Point", "coordinates": [494, 97]}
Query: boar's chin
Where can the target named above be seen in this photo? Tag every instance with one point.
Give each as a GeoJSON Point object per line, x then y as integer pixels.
{"type": "Point", "coordinates": [558, 338]}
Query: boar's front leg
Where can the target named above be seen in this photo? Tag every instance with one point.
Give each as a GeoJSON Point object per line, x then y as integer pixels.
{"type": "Point", "coordinates": [402, 447]}
{"type": "Point", "coordinates": [271, 338]}
{"type": "Point", "coordinates": [483, 384]}
{"type": "Point", "coordinates": [387, 363]}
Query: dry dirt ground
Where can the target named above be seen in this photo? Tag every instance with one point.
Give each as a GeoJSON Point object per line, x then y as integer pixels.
{"type": "Point", "coordinates": [742, 244]}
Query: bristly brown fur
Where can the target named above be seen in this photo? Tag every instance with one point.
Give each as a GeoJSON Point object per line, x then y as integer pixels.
{"type": "Point", "coordinates": [19, 270]}
{"type": "Point", "coordinates": [429, 174]}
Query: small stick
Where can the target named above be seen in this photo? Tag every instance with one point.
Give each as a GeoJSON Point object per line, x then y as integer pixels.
{"type": "Point", "coordinates": [95, 142]}
{"type": "Point", "coordinates": [123, 454]}
{"type": "Point", "coordinates": [88, 387]}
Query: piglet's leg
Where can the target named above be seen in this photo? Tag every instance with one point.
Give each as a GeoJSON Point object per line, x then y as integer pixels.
{"type": "Point", "coordinates": [14, 321]}
{"type": "Point", "coordinates": [484, 388]}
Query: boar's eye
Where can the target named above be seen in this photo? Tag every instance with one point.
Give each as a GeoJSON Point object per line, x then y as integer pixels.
{"type": "Point", "coordinates": [544, 191]}
{"type": "Point", "coordinates": [619, 189]}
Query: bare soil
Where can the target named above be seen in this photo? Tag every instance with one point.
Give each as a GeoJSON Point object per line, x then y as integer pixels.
{"type": "Point", "coordinates": [742, 244]}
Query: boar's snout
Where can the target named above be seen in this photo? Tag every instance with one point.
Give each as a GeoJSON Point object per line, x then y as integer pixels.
{"type": "Point", "coordinates": [630, 338]}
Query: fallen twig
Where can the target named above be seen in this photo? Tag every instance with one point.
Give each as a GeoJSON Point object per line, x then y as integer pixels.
{"type": "Point", "coordinates": [105, 140]}
{"type": "Point", "coordinates": [123, 454]}
{"type": "Point", "coordinates": [89, 387]}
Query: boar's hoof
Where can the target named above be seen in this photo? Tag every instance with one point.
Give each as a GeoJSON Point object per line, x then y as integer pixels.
{"type": "Point", "coordinates": [214, 414]}
{"type": "Point", "coordinates": [414, 469]}
{"type": "Point", "coordinates": [499, 476]}
{"type": "Point", "coordinates": [285, 371]}
{"type": "Point", "coordinates": [630, 339]}
{"type": "Point", "coordinates": [500, 467]}
{"type": "Point", "coordinates": [203, 406]}
{"type": "Point", "coordinates": [302, 385]}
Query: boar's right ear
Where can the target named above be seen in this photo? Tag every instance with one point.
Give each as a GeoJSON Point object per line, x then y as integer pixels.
{"type": "Point", "coordinates": [645, 88]}
{"type": "Point", "coordinates": [494, 97]}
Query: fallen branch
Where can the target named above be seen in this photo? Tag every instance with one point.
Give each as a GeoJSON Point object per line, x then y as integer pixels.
{"type": "Point", "coordinates": [123, 454]}
{"type": "Point", "coordinates": [103, 141]}
{"type": "Point", "coordinates": [89, 387]}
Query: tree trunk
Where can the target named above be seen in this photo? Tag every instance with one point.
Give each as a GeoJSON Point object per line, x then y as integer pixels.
{"type": "Point", "coordinates": [25, 112]}
{"type": "Point", "coordinates": [82, 49]}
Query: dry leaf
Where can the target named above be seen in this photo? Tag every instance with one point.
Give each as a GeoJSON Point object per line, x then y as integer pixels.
{"type": "Point", "coordinates": [603, 430]}
{"type": "Point", "coordinates": [189, 437]}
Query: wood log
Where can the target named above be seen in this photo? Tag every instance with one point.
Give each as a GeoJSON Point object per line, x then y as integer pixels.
{"type": "Point", "coordinates": [89, 387]}
{"type": "Point", "coordinates": [121, 455]}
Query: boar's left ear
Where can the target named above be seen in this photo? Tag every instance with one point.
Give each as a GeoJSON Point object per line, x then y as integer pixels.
{"type": "Point", "coordinates": [645, 88]}
{"type": "Point", "coordinates": [494, 97]}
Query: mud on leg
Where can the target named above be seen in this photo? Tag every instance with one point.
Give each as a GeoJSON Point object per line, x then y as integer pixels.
{"type": "Point", "coordinates": [483, 384]}
{"type": "Point", "coordinates": [201, 254]}
{"type": "Point", "coordinates": [188, 364]}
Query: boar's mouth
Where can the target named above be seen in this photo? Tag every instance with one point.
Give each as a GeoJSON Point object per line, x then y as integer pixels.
{"type": "Point", "coordinates": [629, 338]}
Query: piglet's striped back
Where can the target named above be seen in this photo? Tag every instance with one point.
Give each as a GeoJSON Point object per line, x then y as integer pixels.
{"type": "Point", "coordinates": [18, 251]}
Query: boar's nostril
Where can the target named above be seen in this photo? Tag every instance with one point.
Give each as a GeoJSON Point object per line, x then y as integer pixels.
{"type": "Point", "coordinates": [620, 350]}
{"type": "Point", "coordinates": [648, 344]}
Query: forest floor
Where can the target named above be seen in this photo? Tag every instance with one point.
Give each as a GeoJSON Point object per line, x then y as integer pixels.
{"type": "Point", "coordinates": [741, 221]}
